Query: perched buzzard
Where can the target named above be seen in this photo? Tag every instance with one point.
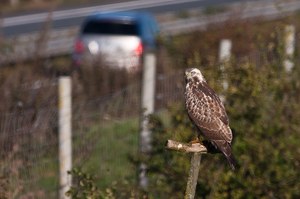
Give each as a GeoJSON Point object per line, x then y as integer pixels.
{"type": "Point", "coordinates": [207, 112]}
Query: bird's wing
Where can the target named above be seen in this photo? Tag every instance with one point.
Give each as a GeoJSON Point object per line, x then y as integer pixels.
{"type": "Point", "coordinates": [214, 102]}
{"type": "Point", "coordinates": [209, 115]}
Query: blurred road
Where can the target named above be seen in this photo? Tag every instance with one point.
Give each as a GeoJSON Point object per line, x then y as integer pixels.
{"type": "Point", "coordinates": [18, 25]}
{"type": "Point", "coordinates": [22, 32]}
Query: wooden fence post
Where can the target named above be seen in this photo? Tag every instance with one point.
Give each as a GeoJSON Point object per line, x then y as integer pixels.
{"type": "Point", "coordinates": [65, 135]}
{"type": "Point", "coordinates": [197, 149]}
{"type": "Point", "coordinates": [147, 107]}
{"type": "Point", "coordinates": [193, 176]}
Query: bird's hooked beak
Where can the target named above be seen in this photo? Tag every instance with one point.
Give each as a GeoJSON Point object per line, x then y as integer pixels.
{"type": "Point", "coordinates": [188, 74]}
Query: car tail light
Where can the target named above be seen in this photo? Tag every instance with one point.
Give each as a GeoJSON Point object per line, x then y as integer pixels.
{"type": "Point", "coordinates": [139, 49]}
{"type": "Point", "coordinates": [79, 46]}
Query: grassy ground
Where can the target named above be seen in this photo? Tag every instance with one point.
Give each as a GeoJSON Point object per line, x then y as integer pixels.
{"type": "Point", "coordinates": [102, 150]}
{"type": "Point", "coordinates": [108, 157]}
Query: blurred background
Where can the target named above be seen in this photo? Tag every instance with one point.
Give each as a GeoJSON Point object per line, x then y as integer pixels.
{"type": "Point", "coordinates": [124, 62]}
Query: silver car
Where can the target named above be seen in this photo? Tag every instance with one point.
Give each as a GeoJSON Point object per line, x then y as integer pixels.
{"type": "Point", "coordinates": [117, 40]}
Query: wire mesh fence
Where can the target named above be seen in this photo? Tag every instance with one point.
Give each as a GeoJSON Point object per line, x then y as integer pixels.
{"type": "Point", "coordinates": [105, 128]}
{"type": "Point", "coordinates": [29, 147]}
{"type": "Point", "coordinates": [105, 134]}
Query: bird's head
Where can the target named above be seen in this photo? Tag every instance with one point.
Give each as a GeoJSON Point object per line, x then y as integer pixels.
{"type": "Point", "coordinates": [194, 75]}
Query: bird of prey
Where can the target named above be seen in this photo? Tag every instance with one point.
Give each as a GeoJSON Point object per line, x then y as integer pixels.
{"type": "Point", "coordinates": [207, 113]}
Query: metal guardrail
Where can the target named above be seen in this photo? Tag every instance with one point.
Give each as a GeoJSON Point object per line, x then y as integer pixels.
{"type": "Point", "coordinates": [238, 11]}
{"type": "Point", "coordinates": [60, 42]}
{"type": "Point", "coordinates": [44, 44]}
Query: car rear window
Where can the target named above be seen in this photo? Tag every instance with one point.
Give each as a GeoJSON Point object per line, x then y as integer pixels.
{"type": "Point", "coordinates": [110, 27]}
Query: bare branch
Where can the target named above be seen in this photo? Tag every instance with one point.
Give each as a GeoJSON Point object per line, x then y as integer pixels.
{"type": "Point", "coordinates": [184, 147]}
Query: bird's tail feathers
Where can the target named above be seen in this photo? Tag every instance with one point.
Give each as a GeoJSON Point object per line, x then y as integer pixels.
{"type": "Point", "coordinates": [225, 148]}
{"type": "Point", "coordinates": [231, 161]}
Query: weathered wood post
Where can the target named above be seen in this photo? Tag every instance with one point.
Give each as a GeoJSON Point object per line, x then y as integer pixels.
{"type": "Point", "coordinates": [197, 149]}
{"type": "Point", "coordinates": [65, 135]}
{"type": "Point", "coordinates": [147, 107]}
{"type": "Point", "coordinates": [289, 46]}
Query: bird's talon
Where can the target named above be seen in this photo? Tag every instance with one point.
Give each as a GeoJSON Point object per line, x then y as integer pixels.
{"type": "Point", "coordinates": [195, 141]}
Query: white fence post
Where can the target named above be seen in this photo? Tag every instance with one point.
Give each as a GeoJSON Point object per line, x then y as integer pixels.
{"type": "Point", "coordinates": [147, 107]}
{"type": "Point", "coordinates": [224, 57]}
{"type": "Point", "coordinates": [289, 47]}
{"type": "Point", "coordinates": [65, 136]}
{"type": "Point", "coordinates": [225, 50]}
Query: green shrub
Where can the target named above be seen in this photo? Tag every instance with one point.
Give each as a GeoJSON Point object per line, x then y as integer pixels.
{"type": "Point", "coordinates": [263, 107]}
{"type": "Point", "coordinates": [85, 187]}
